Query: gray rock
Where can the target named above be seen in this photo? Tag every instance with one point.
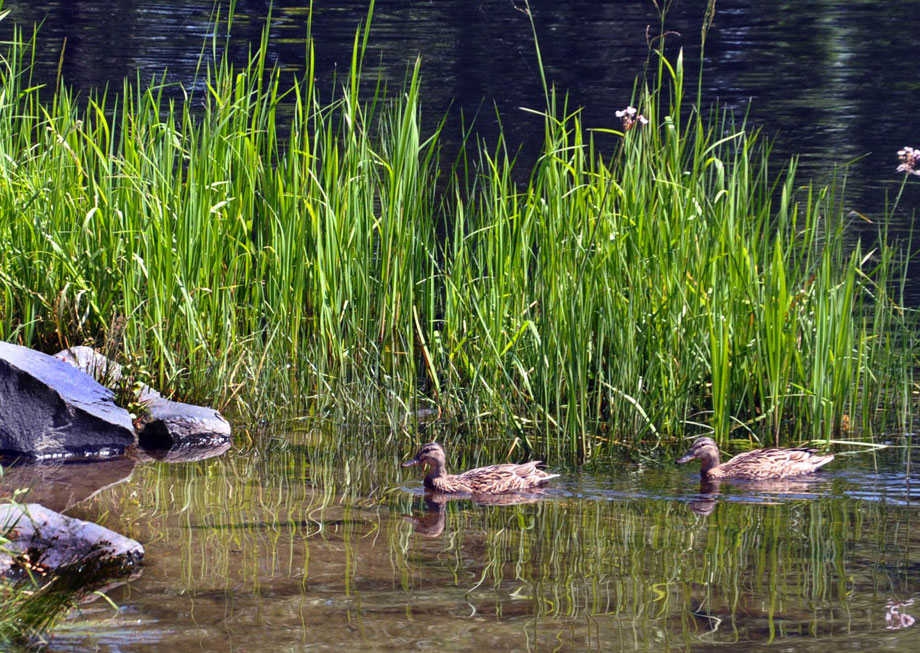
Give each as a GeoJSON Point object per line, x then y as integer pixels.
{"type": "Point", "coordinates": [169, 424]}
{"type": "Point", "coordinates": [49, 409]}
{"type": "Point", "coordinates": [91, 362]}
{"type": "Point", "coordinates": [104, 370]}
{"type": "Point", "coordinates": [54, 541]}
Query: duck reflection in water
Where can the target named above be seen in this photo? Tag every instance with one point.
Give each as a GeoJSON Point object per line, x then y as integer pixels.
{"type": "Point", "coordinates": [706, 502]}
{"type": "Point", "coordinates": [759, 491]}
{"type": "Point", "coordinates": [431, 521]}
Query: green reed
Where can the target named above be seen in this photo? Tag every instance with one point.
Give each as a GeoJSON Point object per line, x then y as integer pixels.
{"type": "Point", "coordinates": [272, 251]}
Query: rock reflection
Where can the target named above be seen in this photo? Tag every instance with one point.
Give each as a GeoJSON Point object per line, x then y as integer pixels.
{"type": "Point", "coordinates": [59, 486]}
{"type": "Point", "coordinates": [91, 593]}
{"type": "Point", "coordinates": [183, 453]}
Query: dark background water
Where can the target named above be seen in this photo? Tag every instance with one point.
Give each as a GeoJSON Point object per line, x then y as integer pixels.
{"type": "Point", "coordinates": [832, 82]}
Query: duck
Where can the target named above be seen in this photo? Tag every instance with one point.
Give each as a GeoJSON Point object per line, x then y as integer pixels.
{"type": "Point", "coordinates": [756, 464]}
{"type": "Point", "coordinates": [495, 479]}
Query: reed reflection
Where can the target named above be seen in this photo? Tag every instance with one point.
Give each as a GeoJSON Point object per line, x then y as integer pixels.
{"type": "Point", "coordinates": [608, 560]}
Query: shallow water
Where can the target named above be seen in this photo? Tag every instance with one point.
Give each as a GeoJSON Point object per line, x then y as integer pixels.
{"type": "Point", "coordinates": [293, 549]}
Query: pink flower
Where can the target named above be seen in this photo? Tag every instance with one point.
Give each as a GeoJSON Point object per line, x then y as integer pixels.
{"type": "Point", "coordinates": [895, 619]}
{"type": "Point", "coordinates": [910, 161]}
{"type": "Point", "coordinates": [629, 117]}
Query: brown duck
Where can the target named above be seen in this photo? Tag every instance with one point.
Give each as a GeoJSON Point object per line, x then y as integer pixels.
{"type": "Point", "coordinates": [759, 463]}
{"type": "Point", "coordinates": [495, 479]}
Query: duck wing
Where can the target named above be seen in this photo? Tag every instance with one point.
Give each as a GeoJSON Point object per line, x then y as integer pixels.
{"type": "Point", "coordinates": [507, 477]}
{"type": "Point", "coordinates": [774, 463]}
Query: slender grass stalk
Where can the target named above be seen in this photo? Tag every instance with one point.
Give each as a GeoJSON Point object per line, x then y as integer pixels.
{"type": "Point", "coordinates": [273, 251]}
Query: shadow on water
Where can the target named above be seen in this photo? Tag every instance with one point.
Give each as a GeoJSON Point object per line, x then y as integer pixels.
{"type": "Point", "coordinates": [299, 546]}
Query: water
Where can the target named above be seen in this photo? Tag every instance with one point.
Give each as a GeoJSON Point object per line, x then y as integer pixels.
{"type": "Point", "coordinates": [295, 547]}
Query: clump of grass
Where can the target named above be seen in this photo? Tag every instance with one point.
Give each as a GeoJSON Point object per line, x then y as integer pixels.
{"type": "Point", "coordinates": [27, 611]}
{"type": "Point", "coordinates": [629, 294]}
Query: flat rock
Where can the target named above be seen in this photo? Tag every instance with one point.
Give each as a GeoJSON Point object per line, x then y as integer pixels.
{"type": "Point", "coordinates": [49, 409]}
{"type": "Point", "coordinates": [170, 424]}
{"type": "Point", "coordinates": [54, 541]}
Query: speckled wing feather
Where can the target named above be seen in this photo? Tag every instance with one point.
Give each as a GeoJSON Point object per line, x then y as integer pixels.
{"type": "Point", "coordinates": [772, 463]}
{"type": "Point", "coordinates": [504, 478]}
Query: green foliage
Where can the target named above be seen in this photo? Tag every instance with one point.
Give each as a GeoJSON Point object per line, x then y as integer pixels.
{"type": "Point", "coordinates": [269, 251]}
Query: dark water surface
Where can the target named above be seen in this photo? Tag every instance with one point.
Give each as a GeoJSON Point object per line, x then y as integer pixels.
{"type": "Point", "coordinates": [830, 81]}
{"type": "Point", "coordinates": [291, 548]}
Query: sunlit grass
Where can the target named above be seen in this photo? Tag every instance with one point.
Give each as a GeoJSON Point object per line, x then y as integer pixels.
{"type": "Point", "coordinates": [273, 251]}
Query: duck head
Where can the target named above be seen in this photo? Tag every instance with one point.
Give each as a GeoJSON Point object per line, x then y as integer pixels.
{"type": "Point", "coordinates": [429, 454]}
{"type": "Point", "coordinates": [705, 450]}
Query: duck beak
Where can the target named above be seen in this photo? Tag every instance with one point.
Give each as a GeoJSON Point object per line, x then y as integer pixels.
{"type": "Point", "coordinates": [685, 459]}
{"type": "Point", "coordinates": [409, 463]}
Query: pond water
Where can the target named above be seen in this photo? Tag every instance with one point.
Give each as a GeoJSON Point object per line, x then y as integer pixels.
{"type": "Point", "coordinates": [295, 547]}
{"type": "Point", "coordinates": [833, 82]}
